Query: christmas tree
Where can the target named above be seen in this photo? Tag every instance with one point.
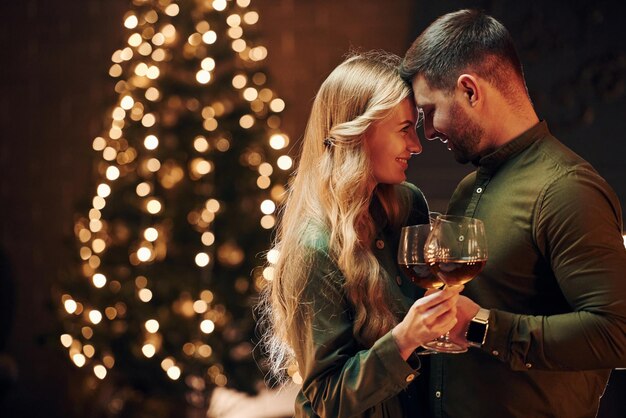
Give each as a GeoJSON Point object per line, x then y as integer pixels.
{"type": "Point", "coordinates": [189, 173]}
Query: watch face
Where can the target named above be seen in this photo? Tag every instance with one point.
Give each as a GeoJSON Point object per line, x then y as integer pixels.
{"type": "Point", "coordinates": [476, 332]}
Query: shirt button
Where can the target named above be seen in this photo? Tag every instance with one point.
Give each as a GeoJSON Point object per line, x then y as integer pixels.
{"type": "Point", "coordinates": [479, 190]}
{"type": "Point", "coordinates": [437, 394]}
{"type": "Point", "coordinates": [495, 352]}
{"type": "Point", "coordinates": [380, 244]}
{"type": "Point", "coordinates": [528, 365]}
{"type": "Point", "coordinates": [399, 280]}
{"type": "Point", "coordinates": [410, 378]}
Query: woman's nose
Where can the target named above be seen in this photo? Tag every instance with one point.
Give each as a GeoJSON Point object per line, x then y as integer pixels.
{"type": "Point", "coordinates": [414, 145]}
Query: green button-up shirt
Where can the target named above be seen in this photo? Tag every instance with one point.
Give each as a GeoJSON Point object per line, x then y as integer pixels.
{"type": "Point", "coordinates": [342, 378]}
{"type": "Point", "coordinates": [555, 282]}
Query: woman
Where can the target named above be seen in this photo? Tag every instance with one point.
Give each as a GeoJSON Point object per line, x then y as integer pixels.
{"type": "Point", "coordinates": [338, 304]}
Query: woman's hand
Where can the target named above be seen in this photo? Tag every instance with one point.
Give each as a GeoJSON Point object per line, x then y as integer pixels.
{"type": "Point", "coordinates": [429, 317]}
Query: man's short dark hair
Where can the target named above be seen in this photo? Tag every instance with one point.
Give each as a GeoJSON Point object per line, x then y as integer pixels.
{"type": "Point", "coordinates": [465, 40]}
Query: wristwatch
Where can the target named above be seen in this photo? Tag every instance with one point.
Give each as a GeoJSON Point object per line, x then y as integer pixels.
{"type": "Point", "coordinates": [477, 330]}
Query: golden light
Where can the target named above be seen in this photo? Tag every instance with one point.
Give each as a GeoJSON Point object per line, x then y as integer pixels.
{"type": "Point", "coordinates": [143, 189]}
{"type": "Point", "coordinates": [151, 142]}
{"type": "Point", "coordinates": [209, 37]}
{"type": "Point", "coordinates": [235, 33]}
{"type": "Point", "coordinates": [131, 22]}
{"type": "Point", "coordinates": [203, 76]}
{"type": "Point", "coordinates": [207, 326]}
{"type": "Point", "coordinates": [151, 234]}
{"type": "Point", "coordinates": [205, 350]}
{"type": "Point", "coordinates": [201, 166]}
{"type": "Point", "coordinates": [201, 144]}
{"type": "Point", "coordinates": [266, 94]}
{"type": "Point", "coordinates": [250, 94]}
{"type": "Point", "coordinates": [158, 39]}
{"type": "Point", "coordinates": [152, 325]}
{"type": "Point", "coordinates": [115, 70]}
{"type": "Point", "coordinates": [153, 206]}
{"type": "Point", "coordinates": [272, 256]}
{"type": "Point", "coordinates": [251, 18]}
{"type": "Point", "coordinates": [246, 121]}
{"type": "Point", "coordinates": [141, 282]}
{"type": "Point", "coordinates": [238, 45]}
{"type": "Point", "coordinates": [134, 39]}
{"type": "Point", "coordinates": [268, 207]}
{"type": "Point", "coordinates": [212, 205]}
{"type": "Point", "coordinates": [169, 31]}
{"type": "Point", "coordinates": [152, 94]}
{"type": "Point", "coordinates": [173, 372]}
{"type": "Point", "coordinates": [210, 124]}
{"type": "Point", "coordinates": [284, 162]}
{"type": "Point", "coordinates": [219, 5]}
{"type": "Point", "coordinates": [126, 54]}
{"type": "Point", "coordinates": [108, 361]}
{"type": "Point", "coordinates": [145, 295]}
{"type": "Point", "coordinates": [258, 53]}
{"type": "Point", "coordinates": [118, 113]}
{"type": "Point", "coordinates": [200, 306]}
{"type": "Point", "coordinates": [268, 222]}
{"type": "Point", "coordinates": [148, 350]}
{"type": "Point", "coordinates": [279, 141]}
{"type": "Point", "coordinates": [66, 340]}
{"type": "Point", "coordinates": [98, 245]}
{"type": "Point", "coordinates": [127, 102]}
{"type": "Point", "coordinates": [87, 332]}
{"type": "Point", "coordinates": [144, 254]}
{"type": "Point", "coordinates": [153, 165]}
{"type": "Point", "coordinates": [141, 69]}
{"type": "Point", "coordinates": [98, 202]}
{"type": "Point", "coordinates": [99, 280]}
{"type": "Point", "coordinates": [172, 9]}
{"type": "Point", "coordinates": [148, 120]}
{"type": "Point", "coordinates": [208, 64]}
{"type": "Point", "coordinates": [243, 3]}
{"type": "Point", "coordinates": [70, 306]}
{"type": "Point", "coordinates": [167, 363]}
{"type": "Point", "coordinates": [266, 169]}
{"type": "Point", "coordinates": [263, 182]}
{"type": "Point", "coordinates": [99, 143]}
{"type": "Point", "coordinates": [222, 144]}
{"type": "Point", "coordinates": [85, 253]}
{"type": "Point", "coordinates": [115, 132]}
{"type": "Point", "coordinates": [112, 173]}
{"type": "Point", "coordinates": [233, 20]}
{"type": "Point", "coordinates": [202, 259]}
{"type": "Point", "coordinates": [104, 190]}
{"type": "Point", "coordinates": [100, 371]}
{"type": "Point", "coordinates": [277, 105]}
{"type": "Point", "coordinates": [208, 238]}
{"type": "Point", "coordinates": [239, 81]}
{"type": "Point", "coordinates": [153, 72]}
{"type": "Point", "coordinates": [145, 49]}
{"type": "Point", "coordinates": [268, 273]}
{"type": "Point", "coordinates": [95, 225]}
{"type": "Point", "coordinates": [624, 240]}
{"type": "Point", "coordinates": [89, 350]}
{"type": "Point", "coordinates": [95, 316]}
{"type": "Point", "coordinates": [79, 360]}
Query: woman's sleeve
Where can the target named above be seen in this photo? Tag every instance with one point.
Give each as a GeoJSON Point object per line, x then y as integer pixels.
{"type": "Point", "coordinates": [340, 379]}
{"type": "Point", "coordinates": [418, 213]}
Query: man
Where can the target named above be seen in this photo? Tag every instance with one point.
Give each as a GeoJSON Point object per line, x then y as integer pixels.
{"type": "Point", "coordinates": [546, 318]}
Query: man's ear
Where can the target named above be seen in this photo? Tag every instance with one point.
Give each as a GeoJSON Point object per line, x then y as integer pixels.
{"type": "Point", "coordinates": [470, 88]}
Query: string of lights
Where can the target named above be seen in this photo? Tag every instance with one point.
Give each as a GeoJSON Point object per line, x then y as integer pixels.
{"type": "Point", "coordinates": [193, 158]}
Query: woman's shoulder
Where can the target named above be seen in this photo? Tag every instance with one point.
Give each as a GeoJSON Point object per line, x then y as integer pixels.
{"type": "Point", "coordinates": [411, 196]}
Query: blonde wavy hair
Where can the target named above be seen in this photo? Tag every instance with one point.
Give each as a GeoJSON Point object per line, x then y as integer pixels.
{"type": "Point", "coordinates": [330, 197]}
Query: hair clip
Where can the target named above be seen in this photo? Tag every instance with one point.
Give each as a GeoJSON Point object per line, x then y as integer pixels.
{"type": "Point", "coordinates": [328, 142]}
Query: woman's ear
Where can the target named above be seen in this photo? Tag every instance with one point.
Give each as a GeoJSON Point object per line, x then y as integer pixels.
{"type": "Point", "coordinates": [470, 88]}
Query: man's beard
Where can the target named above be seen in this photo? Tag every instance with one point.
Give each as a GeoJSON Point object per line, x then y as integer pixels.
{"type": "Point", "coordinates": [465, 136]}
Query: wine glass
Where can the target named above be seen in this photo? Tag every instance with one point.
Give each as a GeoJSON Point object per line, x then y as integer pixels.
{"type": "Point", "coordinates": [412, 263]}
{"type": "Point", "coordinates": [455, 251]}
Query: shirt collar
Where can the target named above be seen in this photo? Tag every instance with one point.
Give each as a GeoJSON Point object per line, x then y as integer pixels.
{"type": "Point", "coordinates": [491, 162]}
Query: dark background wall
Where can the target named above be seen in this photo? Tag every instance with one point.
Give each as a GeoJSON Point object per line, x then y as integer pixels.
{"type": "Point", "coordinates": [55, 89]}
